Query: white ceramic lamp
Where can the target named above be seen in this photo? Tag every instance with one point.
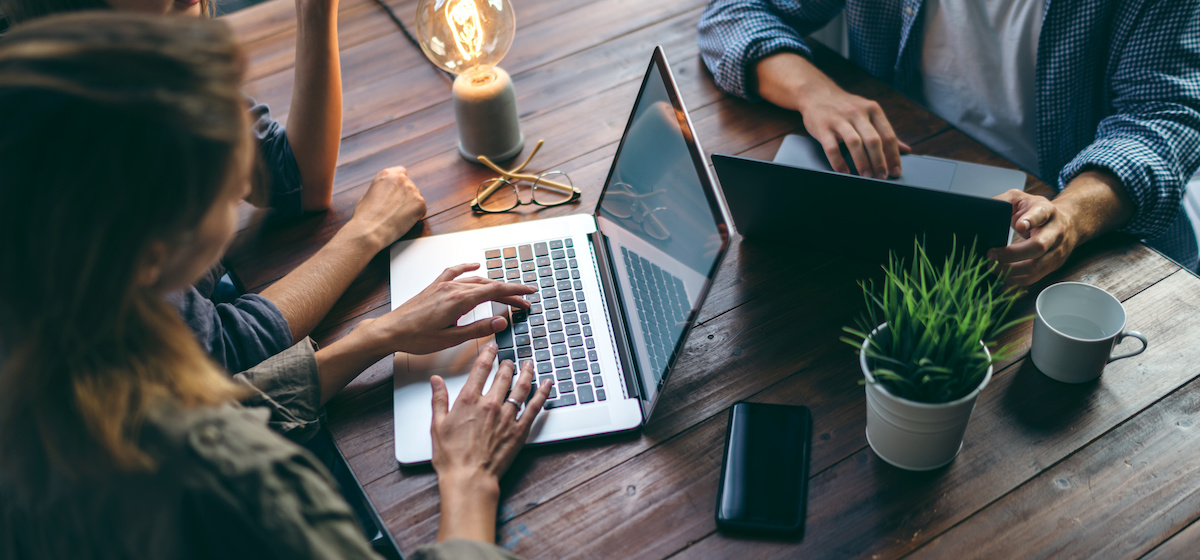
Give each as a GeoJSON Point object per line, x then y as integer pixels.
{"type": "Point", "coordinates": [468, 38]}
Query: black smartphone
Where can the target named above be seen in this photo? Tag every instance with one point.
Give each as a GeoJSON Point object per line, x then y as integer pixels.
{"type": "Point", "coordinates": [764, 477]}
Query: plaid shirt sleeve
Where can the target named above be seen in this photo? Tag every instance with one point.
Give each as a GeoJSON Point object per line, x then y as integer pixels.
{"type": "Point", "coordinates": [736, 34]}
{"type": "Point", "coordinates": [1151, 139]}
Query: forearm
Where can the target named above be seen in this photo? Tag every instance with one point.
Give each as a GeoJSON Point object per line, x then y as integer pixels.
{"type": "Point", "coordinates": [468, 507]}
{"type": "Point", "coordinates": [315, 124]}
{"type": "Point", "coordinates": [786, 79]}
{"type": "Point", "coordinates": [307, 293]}
{"type": "Point", "coordinates": [340, 362]}
{"type": "Point", "coordinates": [1095, 203]}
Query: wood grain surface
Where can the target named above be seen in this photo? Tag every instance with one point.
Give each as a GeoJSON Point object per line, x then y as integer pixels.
{"type": "Point", "coordinates": [1047, 470]}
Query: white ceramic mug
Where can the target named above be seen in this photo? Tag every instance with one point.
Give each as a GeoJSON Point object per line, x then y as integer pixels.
{"type": "Point", "coordinates": [1076, 328]}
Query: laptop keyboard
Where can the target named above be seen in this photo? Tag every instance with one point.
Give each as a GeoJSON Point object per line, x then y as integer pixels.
{"type": "Point", "coordinates": [662, 306]}
{"type": "Point", "coordinates": [556, 332]}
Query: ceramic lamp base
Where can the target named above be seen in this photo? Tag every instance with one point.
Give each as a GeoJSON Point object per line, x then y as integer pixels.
{"type": "Point", "coordinates": [485, 107]}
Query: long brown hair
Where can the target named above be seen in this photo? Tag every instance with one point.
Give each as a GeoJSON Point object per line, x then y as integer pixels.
{"type": "Point", "coordinates": [20, 11]}
{"type": "Point", "coordinates": [120, 130]}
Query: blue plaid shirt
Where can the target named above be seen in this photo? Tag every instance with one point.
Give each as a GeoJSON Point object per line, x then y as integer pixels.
{"type": "Point", "coordinates": [1118, 85]}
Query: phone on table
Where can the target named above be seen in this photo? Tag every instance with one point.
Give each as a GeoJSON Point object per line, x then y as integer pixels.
{"type": "Point", "coordinates": [764, 476]}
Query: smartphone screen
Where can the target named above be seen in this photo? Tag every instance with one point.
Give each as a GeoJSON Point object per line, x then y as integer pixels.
{"type": "Point", "coordinates": [764, 480]}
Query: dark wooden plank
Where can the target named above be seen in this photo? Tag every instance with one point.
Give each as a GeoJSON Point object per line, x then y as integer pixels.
{"type": "Point", "coordinates": [1180, 545]}
{"type": "Point", "coordinates": [863, 507]}
{"type": "Point", "coordinates": [1118, 497]}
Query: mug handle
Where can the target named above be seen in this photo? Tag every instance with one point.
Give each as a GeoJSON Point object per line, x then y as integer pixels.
{"type": "Point", "coordinates": [1121, 337]}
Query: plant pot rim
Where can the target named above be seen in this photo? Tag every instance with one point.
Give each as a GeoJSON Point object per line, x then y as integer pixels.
{"type": "Point", "coordinates": [871, 382]}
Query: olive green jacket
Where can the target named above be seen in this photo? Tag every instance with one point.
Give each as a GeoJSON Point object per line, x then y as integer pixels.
{"type": "Point", "coordinates": [227, 486]}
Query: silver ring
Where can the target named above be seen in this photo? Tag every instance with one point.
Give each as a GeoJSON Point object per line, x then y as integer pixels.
{"type": "Point", "coordinates": [514, 402]}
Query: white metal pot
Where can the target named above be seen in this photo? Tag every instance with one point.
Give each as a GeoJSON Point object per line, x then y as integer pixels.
{"type": "Point", "coordinates": [913, 435]}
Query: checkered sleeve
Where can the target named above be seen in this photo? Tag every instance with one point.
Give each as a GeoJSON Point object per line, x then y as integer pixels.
{"type": "Point", "coordinates": [1151, 141]}
{"type": "Point", "coordinates": [736, 34]}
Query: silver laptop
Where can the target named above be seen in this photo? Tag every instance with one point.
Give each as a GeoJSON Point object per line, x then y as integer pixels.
{"type": "Point", "coordinates": [618, 289]}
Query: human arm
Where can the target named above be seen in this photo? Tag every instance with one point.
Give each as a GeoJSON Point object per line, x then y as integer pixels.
{"type": "Point", "coordinates": [424, 324]}
{"type": "Point", "coordinates": [1131, 177]}
{"type": "Point", "coordinates": [1093, 203]}
{"type": "Point", "coordinates": [475, 442]}
{"type": "Point", "coordinates": [315, 123]}
{"type": "Point", "coordinates": [390, 207]}
{"type": "Point", "coordinates": [755, 50]}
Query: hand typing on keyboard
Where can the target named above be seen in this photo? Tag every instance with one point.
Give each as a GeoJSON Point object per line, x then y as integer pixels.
{"type": "Point", "coordinates": [428, 322]}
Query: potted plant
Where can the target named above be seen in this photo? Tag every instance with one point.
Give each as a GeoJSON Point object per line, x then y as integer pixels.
{"type": "Point", "coordinates": [923, 349]}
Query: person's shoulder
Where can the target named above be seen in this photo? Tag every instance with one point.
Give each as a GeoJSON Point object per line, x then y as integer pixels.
{"type": "Point", "coordinates": [229, 441]}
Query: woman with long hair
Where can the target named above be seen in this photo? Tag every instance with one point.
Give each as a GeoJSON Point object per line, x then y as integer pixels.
{"type": "Point", "coordinates": [119, 436]}
{"type": "Point", "coordinates": [295, 176]}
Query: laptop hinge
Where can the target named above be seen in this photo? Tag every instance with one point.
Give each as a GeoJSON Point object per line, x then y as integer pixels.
{"type": "Point", "coordinates": [615, 318]}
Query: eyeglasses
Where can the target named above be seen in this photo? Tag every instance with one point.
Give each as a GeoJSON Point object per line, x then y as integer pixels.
{"type": "Point", "coordinates": [503, 193]}
{"type": "Point", "coordinates": [623, 201]}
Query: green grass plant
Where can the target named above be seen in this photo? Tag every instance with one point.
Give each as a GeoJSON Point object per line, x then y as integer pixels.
{"type": "Point", "coordinates": [937, 315]}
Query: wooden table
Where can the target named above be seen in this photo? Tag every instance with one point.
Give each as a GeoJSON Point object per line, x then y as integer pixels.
{"type": "Point", "coordinates": [1107, 469]}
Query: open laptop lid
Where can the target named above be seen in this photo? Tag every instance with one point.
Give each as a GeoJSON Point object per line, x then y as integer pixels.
{"type": "Point", "coordinates": [856, 215]}
{"type": "Point", "coordinates": [663, 227]}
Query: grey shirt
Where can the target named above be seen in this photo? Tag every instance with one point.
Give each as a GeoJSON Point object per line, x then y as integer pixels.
{"type": "Point", "coordinates": [227, 486]}
{"type": "Point", "coordinates": [244, 331]}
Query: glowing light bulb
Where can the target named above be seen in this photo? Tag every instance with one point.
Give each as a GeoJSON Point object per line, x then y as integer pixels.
{"type": "Point", "coordinates": [465, 35]}
{"type": "Point", "coordinates": [468, 38]}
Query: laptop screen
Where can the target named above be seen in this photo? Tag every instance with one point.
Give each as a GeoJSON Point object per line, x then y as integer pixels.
{"type": "Point", "coordinates": [664, 228]}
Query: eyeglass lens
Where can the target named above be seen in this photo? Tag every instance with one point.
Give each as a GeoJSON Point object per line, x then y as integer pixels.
{"type": "Point", "coordinates": [547, 195]}
{"type": "Point", "coordinates": [497, 195]}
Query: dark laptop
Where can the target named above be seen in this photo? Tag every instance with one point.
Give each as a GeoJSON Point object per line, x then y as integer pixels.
{"type": "Point", "coordinates": [799, 199]}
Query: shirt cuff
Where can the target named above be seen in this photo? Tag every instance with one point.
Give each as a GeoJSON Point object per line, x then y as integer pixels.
{"type": "Point", "coordinates": [462, 549]}
{"type": "Point", "coordinates": [288, 384]}
{"type": "Point", "coordinates": [1154, 188]}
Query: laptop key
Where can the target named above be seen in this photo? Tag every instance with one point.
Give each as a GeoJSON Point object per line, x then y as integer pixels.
{"type": "Point", "coordinates": [528, 266]}
{"type": "Point", "coordinates": [546, 282]}
{"type": "Point", "coordinates": [557, 254]}
{"type": "Point", "coordinates": [524, 352]}
{"type": "Point", "coordinates": [542, 355]}
{"type": "Point", "coordinates": [587, 331]}
{"type": "Point", "coordinates": [533, 298]}
{"type": "Point", "coordinates": [541, 343]}
{"type": "Point", "coordinates": [578, 353]}
{"type": "Point", "coordinates": [545, 271]}
{"type": "Point", "coordinates": [545, 367]}
{"type": "Point", "coordinates": [598, 381]}
{"type": "Point", "coordinates": [585, 319]}
{"type": "Point", "coordinates": [582, 378]}
{"type": "Point", "coordinates": [568, 243]}
{"type": "Point", "coordinates": [582, 307]}
{"type": "Point", "coordinates": [579, 296]}
{"type": "Point", "coordinates": [540, 249]}
{"type": "Point", "coordinates": [506, 354]}
{"type": "Point", "coordinates": [564, 400]}
{"type": "Point", "coordinates": [525, 252]}
{"type": "Point", "coordinates": [521, 328]}
{"type": "Point", "coordinates": [560, 264]}
{"type": "Point", "coordinates": [562, 374]}
{"type": "Point", "coordinates": [574, 264]}
{"type": "Point", "coordinates": [495, 263]}
{"type": "Point", "coordinates": [592, 356]}
{"type": "Point", "coordinates": [550, 303]}
{"type": "Point", "coordinates": [504, 338]}
{"type": "Point", "coordinates": [538, 332]}
{"type": "Point", "coordinates": [585, 394]}
{"type": "Point", "coordinates": [575, 341]}
{"type": "Point", "coordinates": [572, 329]}
{"type": "Point", "coordinates": [564, 285]}
{"type": "Point", "coordinates": [570, 253]}
{"type": "Point", "coordinates": [591, 344]}
{"type": "Point", "coordinates": [562, 362]}
{"type": "Point", "coordinates": [559, 349]}
{"type": "Point", "coordinates": [549, 293]}
{"type": "Point", "coordinates": [568, 296]}
{"type": "Point", "coordinates": [554, 326]}
{"type": "Point", "coordinates": [554, 315]}
{"type": "Point", "coordinates": [512, 274]}
{"type": "Point", "coordinates": [566, 387]}
{"type": "Point", "coordinates": [562, 274]}
{"type": "Point", "coordinates": [578, 283]}
{"type": "Point", "coordinates": [570, 318]}
{"type": "Point", "coordinates": [535, 309]}
{"type": "Point", "coordinates": [557, 338]}
{"type": "Point", "coordinates": [543, 261]}
{"type": "Point", "coordinates": [568, 307]}
{"type": "Point", "coordinates": [523, 340]}
{"type": "Point", "coordinates": [595, 368]}
{"type": "Point", "coordinates": [529, 277]}
{"type": "Point", "coordinates": [496, 274]}
{"type": "Point", "coordinates": [537, 320]}
{"type": "Point", "coordinates": [510, 252]}
{"type": "Point", "coordinates": [556, 244]}
{"type": "Point", "coordinates": [600, 394]}
{"type": "Point", "coordinates": [492, 254]}
{"type": "Point", "coordinates": [511, 263]}
{"type": "Point", "coordinates": [579, 365]}
{"type": "Point", "coordinates": [575, 275]}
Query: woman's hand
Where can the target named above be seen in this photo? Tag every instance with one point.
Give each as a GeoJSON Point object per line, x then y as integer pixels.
{"type": "Point", "coordinates": [476, 441]}
{"type": "Point", "coordinates": [429, 321]}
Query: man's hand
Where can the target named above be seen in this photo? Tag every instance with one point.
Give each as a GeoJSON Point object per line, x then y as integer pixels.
{"type": "Point", "coordinates": [832, 116]}
{"type": "Point", "coordinates": [1046, 238]}
{"type": "Point", "coordinates": [428, 322]}
{"type": "Point", "coordinates": [390, 208]}
{"type": "Point", "coordinates": [476, 441]}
